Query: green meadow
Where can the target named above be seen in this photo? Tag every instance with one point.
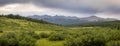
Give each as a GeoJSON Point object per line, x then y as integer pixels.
{"type": "Point", "coordinates": [21, 32]}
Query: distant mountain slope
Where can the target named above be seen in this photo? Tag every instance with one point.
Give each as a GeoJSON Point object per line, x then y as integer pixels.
{"type": "Point", "coordinates": [97, 19]}
{"type": "Point", "coordinates": [110, 24]}
{"type": "Point", "coordinates": [12, 24]}
{"type": "Point", "coordinates": [63, 20]}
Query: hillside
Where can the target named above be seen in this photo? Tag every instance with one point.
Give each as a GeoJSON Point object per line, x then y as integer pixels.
{"type": "Point", "coordinates": [10, 24]}
{"type": "Point", "coordinates": [22, 31]}
{"type": "Point", "coordinates": [110, 24]}
{"type": "Point", "coordinates": [16, 30]}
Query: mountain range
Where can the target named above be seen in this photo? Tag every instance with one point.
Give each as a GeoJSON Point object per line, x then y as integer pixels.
{"type": "Point", "coordinates": [69, 20]}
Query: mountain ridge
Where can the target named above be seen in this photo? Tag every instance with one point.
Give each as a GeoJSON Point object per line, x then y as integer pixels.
{"type": "Point", "coordinates": [69, 20]}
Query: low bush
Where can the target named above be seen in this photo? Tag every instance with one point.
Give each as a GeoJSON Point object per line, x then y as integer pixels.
{"type": "Point", "coordinates": [113, 43]}
{"type": "Point", "coordinates": [16, 39]}
{"type": "Point", "coordinates": [59, 30]}
{"type": "Point", "coordinates": [33, 34]}
{"type": "Point", "coordinates": [85, 40]}
{"type": "Point", "coordinates": [44, 35]}
{"type": "Point", "coordinates": [56, 37]}
{"type": "Point", "coordinates": [1, 31]}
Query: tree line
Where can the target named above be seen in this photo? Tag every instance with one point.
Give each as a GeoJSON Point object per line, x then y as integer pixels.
{"type": "Point", "coordinates": [110, 24]}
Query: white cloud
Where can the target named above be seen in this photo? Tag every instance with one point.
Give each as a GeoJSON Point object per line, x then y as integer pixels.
{"type": "Point", "coordinates": [108, 15]}
{"type": "Point", "coordinates": [22, 8]}
{"type": "Point", "coordinates": [30, 9]}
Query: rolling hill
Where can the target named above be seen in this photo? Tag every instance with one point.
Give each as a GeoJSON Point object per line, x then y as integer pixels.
{"type": "Point", "coordinates": [22, 31]}
{"type": "Point", "coordinates": [12, 23]}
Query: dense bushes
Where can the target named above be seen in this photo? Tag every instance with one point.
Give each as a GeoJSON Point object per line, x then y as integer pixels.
{"type": "Point", "coordinates": [85, 40]}
{"type": "Point", "coordinates": [113, 43]}
{"type": "Point", "coordinates": [82, 37]}
{"type": "Point", "coordinates": [56, 36]}
{"type": "Point", "coordinates": [33, 34]}
{"type": "Point", "coordinates": [94, 37]}
{"type": "Point", "coordinates": [16, 39]}
{"type": "Point", "coordinates": [44, 35]}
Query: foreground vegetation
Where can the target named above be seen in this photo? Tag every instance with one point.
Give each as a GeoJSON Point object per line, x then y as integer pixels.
{"type": "Point", "coordinates": [82, 36]}
{"type": "Point", "coordinates": [21, 32]}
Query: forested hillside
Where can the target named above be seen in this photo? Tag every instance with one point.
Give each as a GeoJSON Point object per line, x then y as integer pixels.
{"type": "Point", "coordinates": [110, 24]}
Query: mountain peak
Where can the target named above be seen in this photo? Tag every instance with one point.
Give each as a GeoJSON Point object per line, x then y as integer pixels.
{"type": "Point", "coordinates": [94, 16]}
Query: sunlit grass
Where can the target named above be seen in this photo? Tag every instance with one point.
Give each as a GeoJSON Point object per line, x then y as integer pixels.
{"type": "Point", "coordinates": [45, 42]}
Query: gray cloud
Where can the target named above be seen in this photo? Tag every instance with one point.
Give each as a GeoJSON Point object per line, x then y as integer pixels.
{"type": "Point", "coordinates": [6, 2]}
{"type": "Point", "coordinates": [77, 6]}
{"type": "Point", "coordinates": [71, 5]}
{"type": "Point", "coordinates": [83, 6]}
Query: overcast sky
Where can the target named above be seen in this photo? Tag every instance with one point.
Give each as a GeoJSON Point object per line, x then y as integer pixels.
{"type": "Point", "coordinates": [80, 8]}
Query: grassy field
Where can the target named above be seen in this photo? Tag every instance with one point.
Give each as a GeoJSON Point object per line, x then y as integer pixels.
{"type": "Point", "coordinates": [8, 24]}
{"type": "Point", "coordinates": [45, 42]}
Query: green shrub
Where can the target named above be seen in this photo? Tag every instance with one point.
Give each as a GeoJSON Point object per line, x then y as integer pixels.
{"type": "Point", "coordinates": [113, 43]}
{"type": "Point", "coordinates": [85, 40]}
{"type": "Point", "coordinates": [1, 31]}
{"type": "Point", "coordinates": [36, 36]}
{"type": "Point", "coordinates": [44, 35]}
{"type": "Point", "coordinates": [56, 37]}
{"type": "Point", "coordinates": [16, 39]}
{"type": "Point", "coordinates": [115, 35]}
{"type": "Point", "coordinates": [33, 34]}
{"type": "Point", "coordinates": [58, 30]}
